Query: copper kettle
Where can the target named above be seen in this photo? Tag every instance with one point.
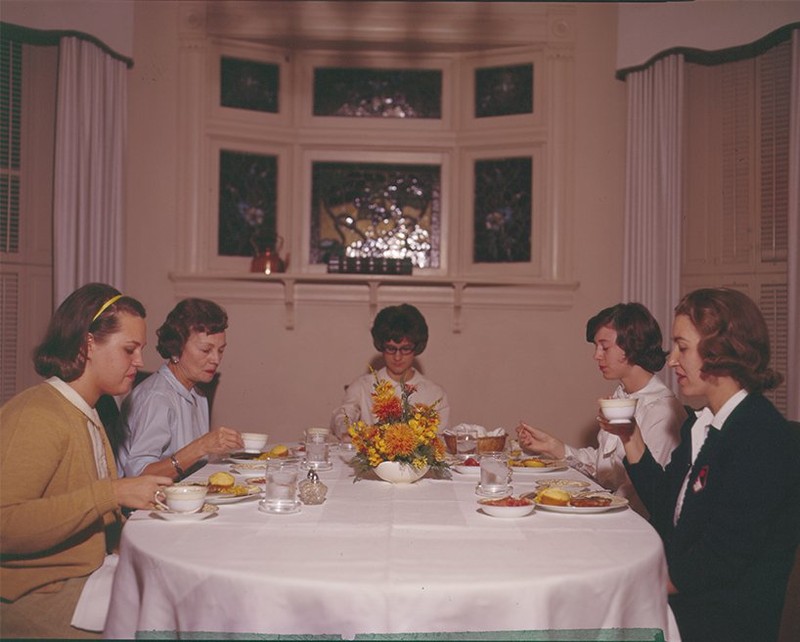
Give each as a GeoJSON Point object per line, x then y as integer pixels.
{"type": "Point", "coordinates": [269, 261]}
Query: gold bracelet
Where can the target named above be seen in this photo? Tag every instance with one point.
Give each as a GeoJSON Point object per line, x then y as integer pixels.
{"type": "Point", "coordinates": [177, 466]}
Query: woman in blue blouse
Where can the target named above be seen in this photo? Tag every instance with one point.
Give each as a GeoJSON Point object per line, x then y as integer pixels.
{"type": "Point", "coordinates": [165, 420]}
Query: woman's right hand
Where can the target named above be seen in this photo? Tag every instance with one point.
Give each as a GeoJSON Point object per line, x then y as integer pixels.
{"type": "Point", "coordinates": [220, 441]}
{"type": "Point", "coordinates": [138, 492]}
{"type": "Point", "coordinates": [539, 442]}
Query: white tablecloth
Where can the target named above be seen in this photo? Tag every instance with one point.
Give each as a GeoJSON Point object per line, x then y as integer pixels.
{"type": "Point", "coordinates": [383, 558]}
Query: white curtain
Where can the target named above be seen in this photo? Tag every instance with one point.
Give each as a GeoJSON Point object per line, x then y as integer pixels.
{"type": "Point", "coordinates": [652, 252]}
{"type": "Point", "coordinates": [793, 366]}
{"type": "Point", "coordinates": [88, 191]}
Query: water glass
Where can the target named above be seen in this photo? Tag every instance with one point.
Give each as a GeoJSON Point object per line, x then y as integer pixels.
{"type": "Point", "coordinates": [495, 475]}
{"type": "Point", "coordinates": [317, 449]}
{"type": "Point", "coordinates": [280, 491]}
{"type": "Point", "coordinates": [466, 442]}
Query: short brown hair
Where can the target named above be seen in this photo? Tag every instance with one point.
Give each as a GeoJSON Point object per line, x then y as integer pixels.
{"type": "Point", "coordinates": [62, 352]}
{"type": "Point", "coordinates": [398, 322]}
{"type": "Point", "coordinates": [190, 315]}
{"type": "Point", "coordinates": [638, 334]}
{"type": "Point", "coordinates": [734, 337]}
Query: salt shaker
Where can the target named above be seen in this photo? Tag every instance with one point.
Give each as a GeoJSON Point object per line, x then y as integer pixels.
{"type": "Point", "coordinates": [312, 490]}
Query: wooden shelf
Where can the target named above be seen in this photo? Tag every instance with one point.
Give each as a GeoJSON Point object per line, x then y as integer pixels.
{"type": "Point", "coordinates": [512, 291]}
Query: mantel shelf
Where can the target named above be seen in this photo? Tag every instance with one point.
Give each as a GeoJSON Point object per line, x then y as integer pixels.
{"type": "Point", "coordinates": [561, 290]}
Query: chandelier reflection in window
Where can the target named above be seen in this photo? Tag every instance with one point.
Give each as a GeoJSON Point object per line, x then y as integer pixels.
{"type": "Point", "coordinates": [376, 210]}
{"type": "Point", "coordinates": [378, 93]}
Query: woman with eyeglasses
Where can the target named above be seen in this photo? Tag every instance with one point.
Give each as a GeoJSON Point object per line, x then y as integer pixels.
{"type": "Point", "coordinates": [400, 333]}
{"type": "Point", "coordinates": [727, 505]}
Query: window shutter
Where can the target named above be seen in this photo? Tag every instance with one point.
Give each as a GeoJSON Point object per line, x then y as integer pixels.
{"type": "Point", "coordinates": [774, 303]}
{"type": "Point", "coordinates": [9, 322]}
{"type": "Point", "coordinates": [10, 124]}
{"type": "Point", "coordinates": [774, 71]}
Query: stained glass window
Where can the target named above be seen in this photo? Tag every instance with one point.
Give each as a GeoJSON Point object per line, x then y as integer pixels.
{"type": "Point", "coordinates": [504, 91]}
{"type": "Point", "coordinates": [375, 210]}
{"type": "Point", "coordinates": [378, 93]}
{"type": "Point", "coordinates": [503, 210]}
{"type": "Point", "coordinates": [249, 84]}
{"type": "Point", "coordinates": [247, 203]}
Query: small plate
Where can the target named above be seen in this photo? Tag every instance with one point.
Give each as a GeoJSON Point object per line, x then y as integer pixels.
{"type": "Point", "coordinates": [290, 509]}
{"type": "Point", "coordinates": [616, 503]}
{"type": "Point", "coordinates": [505, 511]}
{"type": "Point", "coordinates": [208, 510]}
{"type": "Point", "coordinates": [222, 498]}
{"type": "Point", "coordinates": [467, 470]}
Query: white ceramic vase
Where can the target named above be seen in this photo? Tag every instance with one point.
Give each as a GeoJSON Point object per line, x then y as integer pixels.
{"type": "Point", "coordinates": [399, 472]}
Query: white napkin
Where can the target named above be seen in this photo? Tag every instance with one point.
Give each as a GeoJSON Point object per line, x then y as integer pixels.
{"type": "Point", "coordinates": [482, 432]}
{"type": "Point", "coordinates": [92, 608]}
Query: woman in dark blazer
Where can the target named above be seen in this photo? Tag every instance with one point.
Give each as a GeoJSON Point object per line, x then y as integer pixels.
{"type": "Point", "coordinates": [727, 506]}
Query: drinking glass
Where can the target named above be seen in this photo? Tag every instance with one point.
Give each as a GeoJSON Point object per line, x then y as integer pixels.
{"type": "Point", "coordinates": [495, 475]}
{"type": "Point", "coordinates": [280, 492]}
{"type": "Point", "coordinates": [317, 449]}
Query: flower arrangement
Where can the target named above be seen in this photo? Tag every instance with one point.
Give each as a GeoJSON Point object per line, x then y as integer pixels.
{"type": "Point", "coordinates": [404, 432]}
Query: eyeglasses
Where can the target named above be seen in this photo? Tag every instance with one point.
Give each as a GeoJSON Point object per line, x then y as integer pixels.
{"type": "Point", "coordinates": [404, 349]}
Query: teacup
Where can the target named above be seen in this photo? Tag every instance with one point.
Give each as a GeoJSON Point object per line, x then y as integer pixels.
{"type": "Point", "coordinates": [254, 442]}
{"type": "Point", "coordinates": [181, 499]}
{"type": "Point", "coordinates": [617, 409]}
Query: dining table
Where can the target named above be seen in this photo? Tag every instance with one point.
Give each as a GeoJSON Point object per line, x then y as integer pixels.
{"type": "Point", "coordinates": [379, 560]}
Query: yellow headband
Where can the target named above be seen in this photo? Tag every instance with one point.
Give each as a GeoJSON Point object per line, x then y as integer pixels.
{"type": "Point", "coordinates": [103, 307]}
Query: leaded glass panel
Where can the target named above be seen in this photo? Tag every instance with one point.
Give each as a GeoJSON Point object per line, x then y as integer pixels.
{"type": "Point", "coordinates": [378, 93]}
{"type": "Point", "coordinates": [247, 203]}
{"type": "Point", "coordinates": [504, 91]}
{"type": "Point", "coordinates": [503, 210]}
{"type": "Point", "coordinates": [376, 210]}
{"type": "Point", "coordinates": [249, 84]}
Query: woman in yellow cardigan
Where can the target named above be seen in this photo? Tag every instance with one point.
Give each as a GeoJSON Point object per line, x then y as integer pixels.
{"type": "Point", "coordinates": [60, 498]}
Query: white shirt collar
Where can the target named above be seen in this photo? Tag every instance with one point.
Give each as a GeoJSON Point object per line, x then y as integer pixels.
{"type": "Point", "coordinates": [728, 407]}
{"type": "Point", "coordinates": [76, 400]}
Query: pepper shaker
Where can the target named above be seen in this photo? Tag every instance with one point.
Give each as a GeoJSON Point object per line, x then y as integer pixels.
{"type": "Point", "coordinates": [312, 490]}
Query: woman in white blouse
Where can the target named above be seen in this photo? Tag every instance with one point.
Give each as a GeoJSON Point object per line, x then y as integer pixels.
{"type": "Point", "coordinates": [628, 349]}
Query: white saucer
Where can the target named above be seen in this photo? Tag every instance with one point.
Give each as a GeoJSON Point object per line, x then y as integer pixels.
{"type": "Point", "coordinates": [319, 467]}
{"type": "Point", "coordinates": [208, 510]}
{"type": "Point", "coordinates": [619, 421]}
{"type": "Point", "coordinates": [290, 509]}
{"type": "Point", "coordinates": [509, 490]}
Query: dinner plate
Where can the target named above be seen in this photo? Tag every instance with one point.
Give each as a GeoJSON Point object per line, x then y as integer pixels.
{"type": "Point", "coordinates": [616, 503]}
{"type": "Point", "coordinates": [252, 469]}
{"type": "Point", "coordinates": [221, 498]}
{"type": "Point", "coordinates": [552, 467]}
{"type": "Point", "coordinates": [566, 484]}
{"type": "Point", "coordinates": [208, 510]}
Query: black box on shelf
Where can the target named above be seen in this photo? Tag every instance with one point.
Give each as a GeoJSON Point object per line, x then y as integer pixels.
{"type": "Point", "coordinates": [368, 265]}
